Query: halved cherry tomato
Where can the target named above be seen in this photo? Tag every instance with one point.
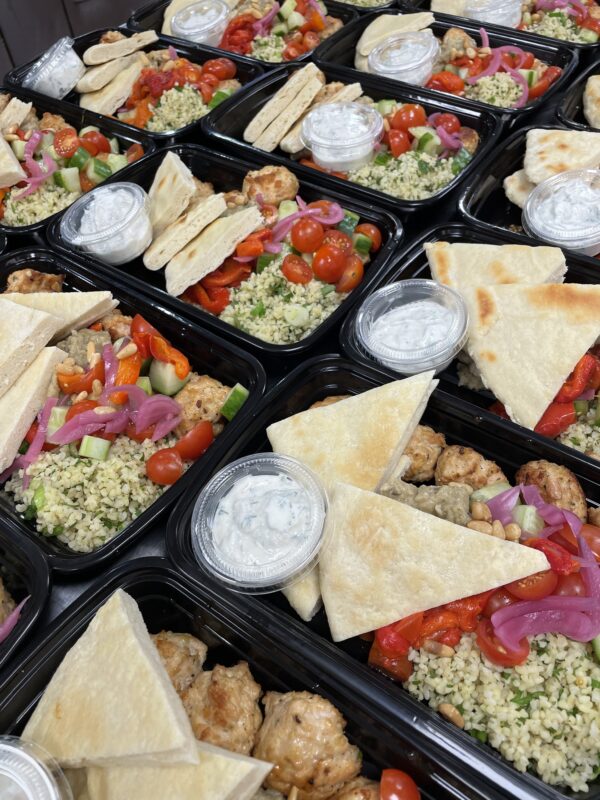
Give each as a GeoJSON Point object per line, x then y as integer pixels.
{"type": "Point", "coordinates": [547, 79]}
{"type": "Point", "coordinates": [195, 442]}
{"type": "Point", "coordinates": [399, 142]}
{"type": "Point", "coordinates": [591, 23]}
{"type": "Point", "coordinates": [499, 599]}
{"type": "Point", "coordinates": [296, 270]}
{"type": "Point", "coordinates": [292, 51]}
{"type": "Point", "coordinates": [329, 263]}
{"type": "Point", "coordinates": [66, 142]}
{"type": "Point", "coordinates": [399, 669]}
{"type": "Point", "coordinates": [165, 467]}
{"type": "Point", "coordinates": [340, 240]}
{"type": "Point", "coordinates": [570, 586]}
{"type": "Point", "coordinates": [373, 232]}
{"type": "Point", "coordinates": [307, 235]}
{"type": "Point", "coordinates": [90, 146]}
{"type": "Point", "coordinates": [163, 351]}
{"type": "Point", "coordinates": [495, 652]}
{"type": "Point", "coordinates": [213, 300]}
{"type": "Point", "coordinates": [223, 68]}
{"type": "Point", "coordinates": [449, 122]}
{"type": "Point", "coordinates": [251, 248]}
{"type": "Point", "coordinates": [566, 538]}
{"type": "Point", "coordinates": [80, 408]}
{"type": "Point", "coordinates": [98, 139]}
{"type": "Point", "coordinates": [561, 562]}
{"type": "Point", "coordinates": [134, 153]}
{"type": "Point", "coordinates": [322, 205]}
{"type": "Point", "coordinates": [207, 91]}
{"type": "Point", "coordinates": [74, 384]}
{"type": "Point", "coordinates": [140, 437]}
{"type": "Point", "coordinates": [446, 82]}
{"type": "Point", "coordinates": [352, 275]}
{"type": "Point", "coordinates": [534, 587]}
{"type": "Point", "coordinates": [232, 273]}
{"type": "Point", "coordinates": [410, 115]}
{"type": "Point", "coordinates": [397, 785]}
{"type": "Point", "coordinates": [31, 434]}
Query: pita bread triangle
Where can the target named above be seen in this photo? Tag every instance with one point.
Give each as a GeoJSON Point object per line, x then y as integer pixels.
{"type": "Point", "coordinates": [111, 699]}
{"type": "Point", "coordinates": [385, 560]}
{"type": "Point", "coordinates": [76, 309]}
{"type": "Point", "coordinates": [526, 340]}
{"type": "Point", "coordinates": [550, 152]}
{"type": "Point", "coordinates": [358, 440]}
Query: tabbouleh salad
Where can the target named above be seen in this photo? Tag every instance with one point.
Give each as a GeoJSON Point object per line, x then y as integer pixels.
{"type": "Point", "coordinates": [572, 21]}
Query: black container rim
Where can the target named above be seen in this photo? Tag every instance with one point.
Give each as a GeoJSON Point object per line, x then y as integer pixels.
{"type": "Point", "coordinates": [202, 317]}
{"type": "Point", "coordinates": [558, 50]}
{"type": "Point", "coordinates": [72, 564]}
{"type": "Point", "coordinates": [79, 118]}
{"type": "Point", "coordinates": [345, 11]}
{"type": "Point", "coordinates": [575, 90]}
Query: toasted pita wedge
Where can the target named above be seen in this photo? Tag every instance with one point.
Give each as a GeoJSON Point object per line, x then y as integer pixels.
{"type": "Point", "coordinates": [75, 309]}
{"type": "Point", "coordinates": [304, 596]}
{"type": "Point", "coordinates": [272, 136]}
{"type": "Point", "coordinates": [454, 7]}
{"type": "Point", "coordinates": [96, 78]}
{"type": "Point", "coordinates": [101, 53]}
{"type": "Point", "coordinates": [199, 214]}
{"type": "Point", "coordinates": [385, 560]}
{"type": "Point", "coordinates": [517, 188]}
{"type": "Point", "coordinates": [208, 251]}
{"type": "Point", "coordinates": [387, 25]}
{"type": "Point", "coordinates": [172, 189]}
{"type": "Point", "coordinates": [281, 101]}
{"type": "Point", "coordinates": [11, 171]}
{"type": "Point", "coordinates": [14, 114]}
{"type": "Point", "coordinates": [112, 96]}
{"type": "Point", "coordinates": [526, 340]}
{"type": "Point", "coordinates": [591, 101]}
{"type": "Point", "coordinates": [111, 702]}
{"type": "Point", "coordinates": [550, 152]}
{"type": "Point", "coordinates": [463, 265]}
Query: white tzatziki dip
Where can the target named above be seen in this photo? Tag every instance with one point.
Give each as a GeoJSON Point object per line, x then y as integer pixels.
{"type": "Point", "coordinates": [413, 326]}
{"type": "Point", "coordinates": [362, 128]}
{"type": "Point", "coordinates": [57, 72]}
{"type": "Point", "coordinates": [408, 57]}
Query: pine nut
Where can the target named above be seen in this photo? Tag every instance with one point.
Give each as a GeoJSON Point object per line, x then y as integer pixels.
{"type": "Point", "coordinates": [77, 370]}
{"type": "Point", "coordinates": [512, 532]}
{"type": "Point", "coordinates": [129, 350]}
{"type": "Point", "coordinates": [11, 137]}
{"type": "Point", "coordinates": [103, 410]}
{"type": "Point", "coordinates": [97, 388]}
{"type": "Point", "coordinates": [90, 351]}
{"type": "Point", "coordinates": [480, 511]}
{"type": "Point", "coordinates": [471, 53]}
{"type": "Point", "coordinates": [65, 369]}
{"type": "Point", "coordinates": [81, 396]}
{"type": "Point", "coordinates": [479, 525]}
{"type": "Point", "coordinates": [452, 714]}
{"type": "Point", "coordinates": [438, 649]}
{"type": "Point", "coordinates": [498, 529]}
{"type": "Point", "coordinates": [94, 360]}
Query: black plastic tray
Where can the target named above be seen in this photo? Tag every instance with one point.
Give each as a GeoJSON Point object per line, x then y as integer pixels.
{"type": "Point", "coordinates": [226, 126]}
{"type": "Point", "coordinates": [483, 202]}
{"type": "Point", "coordinates": [227, 173]}
{"type": "Point", "coordinates": [461, 424]}
{"type": "Point", "coordinates": [25, 573]}
{"type": "Point", "coordinates": [207, 353]}
{"type": "Point", "coordinates": [247, 71]}
{"type": "Point", "coordinates": [570, 109]}
{"type": "Point", "coordinates": [150, 17]}
{"type": "Point", "coordinates": [412, 263]}
{"type": "Point", "coordinates": [341, 51]}
{"type": "Point", "coordinates": [78, 117]}
{"type": "Point", "coordinates": [169, 601]}
{"type": "Point", "coordinates": [3, 243]}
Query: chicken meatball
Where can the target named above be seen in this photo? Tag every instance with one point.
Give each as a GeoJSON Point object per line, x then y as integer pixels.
{"type": "Point", "coordinates": [112, 36]}
{"type": "Point", "coordinates": [7, 604]}
{"type": "Point", "coordinates": [273, 184]}
{"type": "Point", "coordinates": [360, 789]}
{"type": "Point", "coordinates": [594, 516]}
{"type": "Point", "coordinates": [53, 122]}
{"type": "Point", "coordinates": [201, 398]}
{"type": "Point", "coordinates": [30, 280]}
{"type": "Point", "coordinates": [423, 449]}
{"type": "Point", "coordinates": [223, 707]}
{"type": "Point", "coordinates": [332, 25]}
{"type": "Point", "coordinates": [303, 736]}
{"type": "Point", "coordinates": [117, 325]}
{"type": "Point", "coordinates": [329, 401]}
{"type": "Point", "coordinates": [557, 485]}
{"type": "Point", "coordinates": [458, 464]}
{"type": "Point", "coordinates": [183, 656]}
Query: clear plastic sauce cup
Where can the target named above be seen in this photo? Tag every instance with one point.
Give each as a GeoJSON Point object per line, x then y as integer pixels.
{"type": "Point", "coordinates": [565, 211]}
{"type": "Point", "coordinates": [57, 72]}
{"type": "Point", "coordinates": [110, 222]}
{"type": "Point", "coordinates": [202, 22]}
{"type": "Point", "coordinates": [28, 772]}
{"type": "Point", "coordinates": [408, 57]}
{"type": "Point", "coordinates": [342, 136]}
{"type": "Point", "coordinates": [413, 326]}
{"type": "Point", "coordinates": [496, 12]}
{"type": "Point", "coordinates": [258, 524]}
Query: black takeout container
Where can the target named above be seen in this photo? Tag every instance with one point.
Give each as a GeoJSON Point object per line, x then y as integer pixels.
{"type": "Point", "coordinates": [78, 118]}
{"type": "Point", "coordinates": [225, 173]}
{"type": "Point", "coordinates": [208, 354]}
{"type": "Point", "coordinates": [170, 601]}
{"type": "Point", "coordinates": [462, 424]}
{"type": "Point", "coordinates": [151, 16]}
{"type": "Point", "coordinates": [3, 243]}
{"type": "Point", "coordinates": [25, 573]}
{"type": "Point", "coordinates": [483, 202]}
{"type": "Point", "coordinates": [226, 126]}
{"type": "Point", "coordinates": [570, 109]}
{"type": "Point", "coordinates": [341, 52]}
{"type": "Point", "coordinates": [412, 263]}
{"type": "Point", "coordinates": [247, 71]}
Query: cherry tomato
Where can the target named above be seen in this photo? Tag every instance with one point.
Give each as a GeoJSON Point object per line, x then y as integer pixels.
{"type": "Point", "coordinates": [223, 68]}
{"type": "Point", "coordinates": [329, 263]}
{"type": "Point", "coordinates": [307, 235]}
{"type": "Point", "coordinates": [449, 122]}
{"type": "Point", "coordinates": [210, 79]}
{"type": "Point", "coordinates": [195, 442]}
{"type": "Point", "coordinates": [591, 23]}
{"type": "Point", "coordinates": [496, 652]}
{"type": "Point", "coordinates": [591, 534]}
{"type": "Point", "coordinates": [499, 599]}
{"type": "Point", "coordinates": [561, 561]}
{"type": "Point", "coordinates": [90, 146]}
{"type": "Point", "coordinates": [534, 587]}
{"type": "Point", "coordinates": [397, 785]}
{"type": "Point", "coordinates": [296, 270]}
{"type": "Point", "coordinates": [446, 82]}
{"type": "Point", "coordinates": [98, 139]}
{"type": "Point", "coordinates": [322, 205]}
{"type": "Point", "coordinates": [352, 275]}
{"type": "Point", "coordinates": [165, 466]}
{"type": "Point", "coordinates": [140, 437]}
{"type": "Point", "coordinates": [66, 142]}
{"type": "Point", "coordinates": [207, 91]}
{"type": "Point", "coordinates": [292, 51]}
{"type": "Point", "coordinates": [408, 116]}
{"type": "Point", "coordinates": [134, 153]}
{"type": "Point", "coordinates": [80, 408]}
{"type": "Point", "coordinates": [31, 434]}
{"type": "Point", "coordinates": [528, 61]}
{"type": "Point", "coordinates": [340, 240]}
{"type": "Point", "coordinates": [399, 142]}
{"type": "Point", "coordinates": [373, 232]}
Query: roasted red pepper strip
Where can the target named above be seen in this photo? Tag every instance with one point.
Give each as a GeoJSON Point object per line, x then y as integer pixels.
{"type": "Point", "coordinates": [399, 668]}
{"type": "Point", "coordinates": [498, 408]}
{"type": "Point", "coordinates": [556, 419]}
{"type": "Point", "coordinates": [561, 561]}
{"type": "Point", "coordinates": [391, 643]}
{"type": "Point", "coordinates": [162, 351]}
{"type": "Point", "coordinates": [141, 330]}
{"type": "Point", "coordinates": [579, 380]}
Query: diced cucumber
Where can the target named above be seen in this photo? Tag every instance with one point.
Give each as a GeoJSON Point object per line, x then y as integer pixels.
{"type": "Point", "coordinates": [68, 179]}
{"type": "Point", "coordinates": [386, 107]}
{"type": "Point", "coordinates": [97, 171]}
{"type": "Point", "coordinates": [80, 158]}
{"type": "Point", "coordinates": [362, 243]}
{"type": "Point", "coordinates": [487, 492]}
{"type": "Point", "coordinates": [528, 519]}
{"type": "Point", "coordinates": [288, 7]}
{"type": "Point", "coordinates": [427, 140]}
{"type": "Point", "coordinates": [164, 379]}
{"type": "Point", "coordinates": [581, 407]}
{"type": "Point", "coordinates": [279, 29]}
{"type": "Point", "coordinates": [460, 161]}
{"type": "Point", "coordinates": [145, 366]}
{"type": "Point", "coordinates": [530, 76]}
{"type": "Point", "coordinates": [18, 148]}
{"type": "Point", "coordinates": [58, 417]}
{"type": "Point", "coordinates": [116, 161]}
{"type": "Point", "coordinates": [287, 208]}
{"type": "Point", "coordinates": [54, 155]}
{"type": "Point", "coordinates": [463, 72]}
{"type": "Point", "coordinates": [349, 223]}
{"type": "Point", "coordinates": [451, 68]}
{"type": "Point", "coordinates": [596, 647]}
{"type": "Point", "coordinates": [145, 384]}
{"type": "Point", "coordinates": [264, 260]}
{"type": "Point", "coordinates": [295, 20]}
{"type": "Point", "coordinates": [234, 401]}
{"type": "Point", "coordinates": [114, 145]}
{"type": "Point", "coordinates": [590, 37]}
{"type": "Point", "coordinates": [88, 129]}
{"type": "Point", "coordinates": [94, 447]}
{"type": "Point", "coordinates": [219, 96]}
{"type": "Point", "coordinates": [39, 498]}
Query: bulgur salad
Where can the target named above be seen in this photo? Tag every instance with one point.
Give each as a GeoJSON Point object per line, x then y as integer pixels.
{"type": "Point", "coordinates": [119, 418]}
{"type": "Point", "coordinates": [47, 164]}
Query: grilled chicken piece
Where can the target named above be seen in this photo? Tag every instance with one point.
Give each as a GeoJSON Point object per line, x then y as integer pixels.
{"type": "Point", "coordinates": [273, 184]}
{"type": "Point", "coordinates": [557, 485]}
{"type": "Point", "coordinates": [201, 398]}
{"type": "Point", "coordinates": [53, 122]}
{"type": "Point", "coordinates": [360, 789]}
{"type": "Point", "coordinates": [30, 280]}
{"type": "Point", "coordinates": [455, 44]}
{"type": "Point", "coordinates": [458, 464]}
{"type": "Point", "coordinates": [328, 401]}
{"type": "Point", "coordinates": [423, 449]}
{"type": "Point", "coordinates": [183, 656]}
{"type": "Point", "coordinates": [111, 36]}
{"type": "Point", "coordinates": [117, 325]}
{"type": "Point", "coordinates": [7, 604]}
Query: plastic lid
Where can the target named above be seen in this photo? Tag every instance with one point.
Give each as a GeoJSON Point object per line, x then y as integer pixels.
{"type": "Point", "coordinates": [502, 12]}
{"type": "Point", "coordinates": [257, 525]}
{"type": "Point", "coordinates": [52, 58]}
{"type": "Point", "coordinates": [360, 124]}
{"type": "Point", "coordinates": [410, 306]}
{"type": "Point", "coordinates": [404, 52]}
{"type": "Point", "coordinates": [132, 199]}
{"type": "Point", "coordinates": [199, 19]}
{"type": "Point", "coordinates": [565, 209]}
{"type": "Point", "coordinates": [28, 772]}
